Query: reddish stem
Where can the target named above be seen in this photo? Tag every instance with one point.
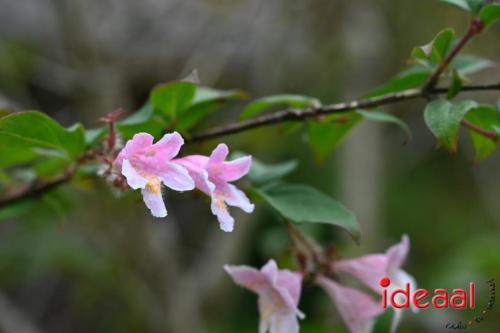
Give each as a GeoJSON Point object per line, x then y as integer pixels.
{"type": "Point", "coordinates": [475, 27]}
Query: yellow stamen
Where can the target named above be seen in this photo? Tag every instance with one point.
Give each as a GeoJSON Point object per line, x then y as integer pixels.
{"type": "Point", "coordinates": [153, 185]}
{"type": "Point", "coordinates": [219, 202]}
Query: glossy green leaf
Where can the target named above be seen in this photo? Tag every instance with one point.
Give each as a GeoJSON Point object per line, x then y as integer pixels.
{"type": "Point", "coordinates": [484, 116]}
{"type": "Point", "coordinates": [262, 104]}
{"type": "Point", "coordinates": [205, 101]}
{"type": "Point", "coordinates": [463, 4]}
{"type": "Point", "coordinates": [94, 135]}
{"type": "Point", "coordinates": [476, 5]}
{"type": "Point", "coordinates": [455, 85]}
{"type": "Point", "coordinates": [24, 135]}
{"type": "Point", "coordinates": [206, 94]}
{"type": "Point", "coordinates": [490, 14]}
{"type": "Point", "coordinates": [143, 120]}
{"type": "Point", "coordinates": [17, 209]}
{"type": "Point", "coordinates": [412, 78]}
{"type": "Point", "coordinates": [261, 173]}
{"type": "Point", "coordinates": [383, 117]}
{"type": "Point", "coordinates": [468, 64]}
{"type": "Point", "coordinates": [301, 203]}
{"type": "Point", "coordinates": [325, 136]}
{"type": "Point", "coordinates": [443, 119]}
{"type": "Point", "coordinates": [437, 49]}
{"type": "Point", "coordinates": [173, 97]}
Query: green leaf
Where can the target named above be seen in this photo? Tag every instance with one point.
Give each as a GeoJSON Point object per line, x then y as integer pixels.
{"type": "Point", "coordinates": [468, 64]}
{"type": "Point", "coordinates": [94, 135]}
{"type": "Point", "coordinates": [443, 119]}
{"type": "Point", "coordinates": [484, 116]}
{"type": "Point", "coordinates": [205, 101]}
{"type": "Point", "coordinates": [144, 120]}
{"type": "Point", "coordinates": [17, 209]}
{"type": "Point", "coordinates": [301, 203]}
{"type": "Point", "coordinates": [437, 49]}
{"type": "Point", "coordinates": [261, 173]}
{"type": "Point", "coordinates": [463, 4]}
{"type": "Point", "coordinates": [206, 94]}
{"type": "Point", "coordinates": [476, 5]}
{"type": "Point", "coordinates": [262, 104]}
{"type": "Point", "coordinates": [455, 85]}
{"type": "Point", "coordinates": [49, 167]}
{"type": "Point", "coordinates": [172, 98]}
{"type": "Point", "coordinates": [380, 116]}
{"type": "Point", "coordinates": [412, 78]}
{"type": "Point", "coordinates": [325, 136]}
{"type": "Point", "coordinates": [490, 14]}
{"type": "Point", "coordinates": [21, 134]}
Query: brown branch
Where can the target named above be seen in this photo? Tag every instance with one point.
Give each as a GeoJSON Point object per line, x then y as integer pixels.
{"type": "Point", "coordinates": [35, 189]}
{"type": "Point", "coordinates": [302, 114]}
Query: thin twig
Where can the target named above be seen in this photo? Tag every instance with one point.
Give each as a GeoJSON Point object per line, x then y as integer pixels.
{"type": "Point", "coordinates": [302, 114]}
{"type": "Point", "coordinates": [482, 131]}
{"type": "Point", "coordinates": [38, 188]}
{"type": "Point", "coordinates": [35, 189]}
{"type": "Point", "coordinates": [475, 27]}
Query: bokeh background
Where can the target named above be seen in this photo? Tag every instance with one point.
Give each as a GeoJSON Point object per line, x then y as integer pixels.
{"type": "Point", "coordinates": [91, 261]}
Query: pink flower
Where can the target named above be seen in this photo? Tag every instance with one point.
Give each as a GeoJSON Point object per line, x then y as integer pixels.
{"type": "Point", "coordinates": [279, 293]}
{"type": "Point", "coordinates": [371, 268]}
{"type": "Point", "coordinates": [146, 166]}
{"type": "Point", "coordinates": [212, 176]}
{"type": "Point", "coordinates": [357, 309]}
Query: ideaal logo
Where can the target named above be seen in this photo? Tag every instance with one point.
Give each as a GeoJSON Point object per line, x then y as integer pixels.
{"type": "Point", "coordinates": [484, 311]}
{"type": "Point", "coordinates": [439, 299]}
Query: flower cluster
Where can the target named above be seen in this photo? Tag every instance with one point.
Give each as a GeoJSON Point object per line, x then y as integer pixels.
{"type": "Point", "coordinates": [147, 165]}
{"type": "Point", "coordinates": [279, 290]}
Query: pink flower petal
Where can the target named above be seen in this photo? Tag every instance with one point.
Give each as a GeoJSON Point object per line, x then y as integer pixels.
{"type": "Point", "coordinates": [204, 184]}
{"type": "Point", "coordinates": [194, 165]}
{"type": "Point", "coordinates": [396, 254]}
{"type": "Point", "coordinates": [219, 209]}
{"type": "Point", "coordinates": [234, 170]}
{"type": "Point", "coordinates": [134, 179]}
{"type": "Point", "coordinates": [286, 323]}
{"type": "Point", "coordinates": [247, 277]}
{"type": "Point", "coordinates": [270, 270]}
{"type": "Point", "coordinates": [176, 177]}
{"type": "Point", "coordinates": [154, 201]}
{"type": "Point", "coordinates": [168, 146]}
{"type": "Point", "coordinates": [139, 142]}
{"type": "Point", "coordinates": [289, 284]}
{"type": "Point", "coordinates": [396, 320]}
{"type": "Point", "coordinates": [356, 308]}
{"type": "Point", "coordinates": [219, 154]}
{"type": "Point", "coordinates": [368, 269]}
{"type": "Point", "coordinates": [279, 292]}
{"type": "Point", "coordinates": [234, 197]}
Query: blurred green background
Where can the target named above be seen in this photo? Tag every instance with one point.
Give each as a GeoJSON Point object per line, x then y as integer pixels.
{"type": "Point", "coordinates": [87, 260]}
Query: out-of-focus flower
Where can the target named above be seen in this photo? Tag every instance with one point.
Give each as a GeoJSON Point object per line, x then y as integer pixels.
{"type": "Point", "coordinates": [212, 176]}
{"type": "Point", "coordinates": [279, 293]}
{"type": "Point", "coordinates": [371, 268]}
{"type": "Point", "coordinates": [357, 309]}
{"type": "Point", "coordinates": [146, 166]}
